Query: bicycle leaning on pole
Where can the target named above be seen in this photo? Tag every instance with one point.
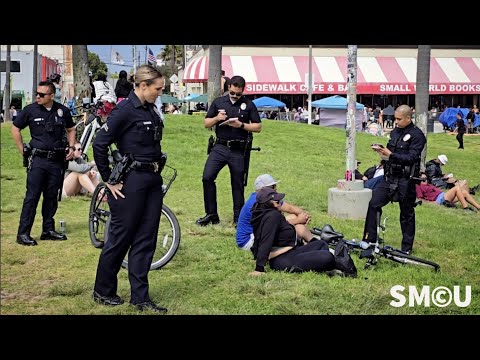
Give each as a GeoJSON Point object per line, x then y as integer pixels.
{"type": "Point", "coordinates": [168, 239]}
{"type": "Point", "coordinates": [373, 251]}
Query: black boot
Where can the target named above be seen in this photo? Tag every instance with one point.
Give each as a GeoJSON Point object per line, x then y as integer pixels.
{"type": "Point", "coordinates": [26, 240]}
{"type": "Point", "coordinates": [208, 219]}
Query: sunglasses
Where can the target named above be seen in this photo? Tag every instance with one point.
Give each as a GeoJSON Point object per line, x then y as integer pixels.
{"type": "Point", "coordinates": [79, 149]}
{"type": "Point", "coordinates": [233, 93]}
{"type": "Point", "coordinates": [42, 94]}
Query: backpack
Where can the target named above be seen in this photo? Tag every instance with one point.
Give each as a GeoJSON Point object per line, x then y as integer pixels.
{"type": "Point", "coordinates": [343, 260]}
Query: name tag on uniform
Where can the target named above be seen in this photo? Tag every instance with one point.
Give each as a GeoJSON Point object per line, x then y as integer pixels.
{"type": "Point", "coordinates": [147, 123]}
{"type": "Point", "coordinates": [38, 119]}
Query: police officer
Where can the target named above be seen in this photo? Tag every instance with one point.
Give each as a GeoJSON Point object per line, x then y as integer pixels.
{"type": "Point", "coordinates": [402, 153]}
{"type": "Point", "coordinates": [47, 121]}
{"type": "Point", "coordinates": [233, 116]}
{"type": "Point", "coordinates": [136, 201]}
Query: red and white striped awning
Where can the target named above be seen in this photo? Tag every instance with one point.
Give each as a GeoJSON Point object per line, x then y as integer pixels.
{"type": "Point", "coordinates": [376, 75]}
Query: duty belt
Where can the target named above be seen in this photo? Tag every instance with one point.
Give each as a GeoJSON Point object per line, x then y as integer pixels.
{"type": "Point", "coordinates": [58, 154]}
{"type": "Point", "coordinates": [147, 166]}
{"type": "Point", "coordinates": [231, 143]}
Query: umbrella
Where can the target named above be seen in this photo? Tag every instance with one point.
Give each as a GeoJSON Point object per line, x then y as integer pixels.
{"type": "Point", "coordinates": [200, 98]}
{"type": "Point", "coordinates": [169, 99]}
{"type": "Point", "coordinates": [190, 97]}
{"type": "Point", "coordinates": [265, 102]}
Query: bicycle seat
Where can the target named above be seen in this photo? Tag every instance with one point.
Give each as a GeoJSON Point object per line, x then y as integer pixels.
{"type": "Point", "coordinates": [328, 234]}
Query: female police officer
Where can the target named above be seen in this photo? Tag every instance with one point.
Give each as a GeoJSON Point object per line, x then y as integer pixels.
{"type": "Point", "coordinates": [402, 153]}
{"type": "Point", "coordinates": [135, 202]}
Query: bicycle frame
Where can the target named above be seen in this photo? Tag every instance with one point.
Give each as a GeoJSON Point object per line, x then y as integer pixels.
{"type": "Point", "coordinates": [372, 251]}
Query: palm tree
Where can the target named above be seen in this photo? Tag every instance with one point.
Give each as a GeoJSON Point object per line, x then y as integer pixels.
{"type": "Point", "coordinates": [422, 93]}
{"type": "Point", "coordinates": [214, 72]}
{"type": "Point", "coordinates": [82, 87]}
{"type": "Point", "coordinates": [172, 54]}
{"type": "Point", "coordinates": [6, 93]}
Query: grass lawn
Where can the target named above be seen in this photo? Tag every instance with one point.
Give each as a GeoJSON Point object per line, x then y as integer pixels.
{"type": "Point", "coordinates": [208, 275]}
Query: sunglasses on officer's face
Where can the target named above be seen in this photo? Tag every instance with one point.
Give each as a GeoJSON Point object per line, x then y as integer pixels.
{"type": "Point", "coordinates": [233, 93]}
{"type": "Point", "coordinates": [79, 149]}
{"type": "Point", "coordinates": [42, 94]}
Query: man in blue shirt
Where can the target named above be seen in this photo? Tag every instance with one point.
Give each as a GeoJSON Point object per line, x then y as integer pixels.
{"type": "Point", "coordinates": [296, 216]}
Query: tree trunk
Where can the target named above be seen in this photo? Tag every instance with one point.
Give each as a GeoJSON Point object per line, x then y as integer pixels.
{"type": "Point", "coordinates": [422, 93]}
{"type": "Point", "coordinates": [81, 80]}
{"type": "Point", "coordinates": [172, 59]}
{"type": "Point", "coordinates": [35, 72]}
{"type": "Point", "coordinates": [6, 93]}
{"type": "Point", "coordinates": [214, 72]}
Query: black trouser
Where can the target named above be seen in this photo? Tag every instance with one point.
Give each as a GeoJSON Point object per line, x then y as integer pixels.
{"type": "Point", "coordinates": [133, 229]}
{"type": "Point", "coordinates": [220, 156]}
{"type": "Point", "coordinates": [313, 256]}
{"type": "Point", "coordinates": [44, 176]}
{"type": "Point", "coordinates": [406, 198]}
{"type": "Point", "coordinates": [460, 140]}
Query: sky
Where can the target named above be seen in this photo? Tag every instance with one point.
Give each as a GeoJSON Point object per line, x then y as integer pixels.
{"type": "Point", "coordinates": [126, 52]}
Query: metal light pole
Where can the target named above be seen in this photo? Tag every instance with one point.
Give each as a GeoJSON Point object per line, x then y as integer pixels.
{"type": "Point", "coordinates": [351, 109]}
{"type": "Point", "coordinates": [310, 85]}
{"type": "Point", "coordinates": [349, 200]}
{"type": "Point", "coordinates": [134, 49]}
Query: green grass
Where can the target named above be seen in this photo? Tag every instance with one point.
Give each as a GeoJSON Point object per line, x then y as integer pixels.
{"type": "Point", "coordinates": [209, 274]}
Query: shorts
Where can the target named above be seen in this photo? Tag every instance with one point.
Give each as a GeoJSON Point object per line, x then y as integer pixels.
{"type": "Point", "coordinates": [440, 198]}
{"type": "Point", "coordinates": [249, 243]}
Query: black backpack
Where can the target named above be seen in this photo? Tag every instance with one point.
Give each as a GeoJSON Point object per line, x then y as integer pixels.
{"type": "Point", "coordinates": [343, 260]}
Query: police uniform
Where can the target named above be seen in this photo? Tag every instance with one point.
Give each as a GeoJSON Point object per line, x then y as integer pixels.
{"type": "Point", "coordinates": [47, 163]}
{"type": "Point", "coordinates": [229, 150]}
{"type": "Point", "coordinates": [136, 129]}
{"type": "Point", "coordinates": [406, 145]}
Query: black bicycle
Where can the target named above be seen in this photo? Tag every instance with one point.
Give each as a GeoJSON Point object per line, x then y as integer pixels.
{"type": "Point", "coordinates": [372, 251]}
{"type": "Point", "coordinates": [168, 239]}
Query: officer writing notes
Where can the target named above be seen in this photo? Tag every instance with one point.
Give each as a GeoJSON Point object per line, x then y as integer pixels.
{"type": "Point", "coordinates": [402, 156]}
{"type": "Point", "coordinates": [234, 117]}
{"type": "Point", "coordinates": [45, 159]}
{"type": "Point", "coordinates": [135, 199]}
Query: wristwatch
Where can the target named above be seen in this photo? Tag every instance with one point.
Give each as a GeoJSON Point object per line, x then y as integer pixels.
{"type": "Point", "coordinates": [242, 126]}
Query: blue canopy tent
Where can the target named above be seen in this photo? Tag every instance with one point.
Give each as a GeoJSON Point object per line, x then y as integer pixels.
{"type": "Point", "coordinates": [267, 102]}
{"type": "Point", "coordinates": [449, 116]}
{"type": "Point", "coordinates": [334, 102]}
{"type": "Point", "coordinates": [476, 122]}
{"type": "Point", "coordinates": [333, 112]}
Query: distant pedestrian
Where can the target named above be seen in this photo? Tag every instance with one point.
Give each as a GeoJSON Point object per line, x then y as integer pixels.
{"type": "Point", "coordinates": [461, 129]}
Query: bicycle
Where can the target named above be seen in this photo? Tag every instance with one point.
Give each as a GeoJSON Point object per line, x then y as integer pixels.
{"type": "Point", "coordinates": [168, 239]}
{"type": "Point", "coordinates": [373, 251]}
{"type": "Point", "coordinates": [92, 118]}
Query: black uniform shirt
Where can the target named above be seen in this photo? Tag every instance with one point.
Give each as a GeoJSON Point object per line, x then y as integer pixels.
{"type": "Point", "coordinates": [39, 119]}
{"type": "Point", "coordinates": [406, 145]}
{"type": "Point", "coordinates": [273, 230]}
{"type": "Point", "coordinates": [131, 126]}
{"type": "Point", "coordinates": [243, 109]}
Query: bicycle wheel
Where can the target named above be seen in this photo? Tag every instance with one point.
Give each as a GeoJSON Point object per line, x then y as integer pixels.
{"type": "Point", "coordinates": [410, 260]}
{"type": "Point", "coordinates": [99, 216]}
{"type": "Point", "coordinates": [168, 240]}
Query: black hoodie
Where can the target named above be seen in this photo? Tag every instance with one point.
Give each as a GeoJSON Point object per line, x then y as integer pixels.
{"type": "Point", "coordinates": [270, 229]}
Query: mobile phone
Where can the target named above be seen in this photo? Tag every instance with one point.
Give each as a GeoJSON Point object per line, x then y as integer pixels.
{"type": "Point", "coordinates": [377, 146]}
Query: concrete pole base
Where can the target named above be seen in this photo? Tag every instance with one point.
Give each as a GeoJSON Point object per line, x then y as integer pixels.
{"type": "Point", "coordinates": [349, 200]}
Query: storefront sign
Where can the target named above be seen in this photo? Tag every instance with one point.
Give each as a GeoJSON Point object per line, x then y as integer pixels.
{"type": "Point", "coordinates": [370, 88]}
